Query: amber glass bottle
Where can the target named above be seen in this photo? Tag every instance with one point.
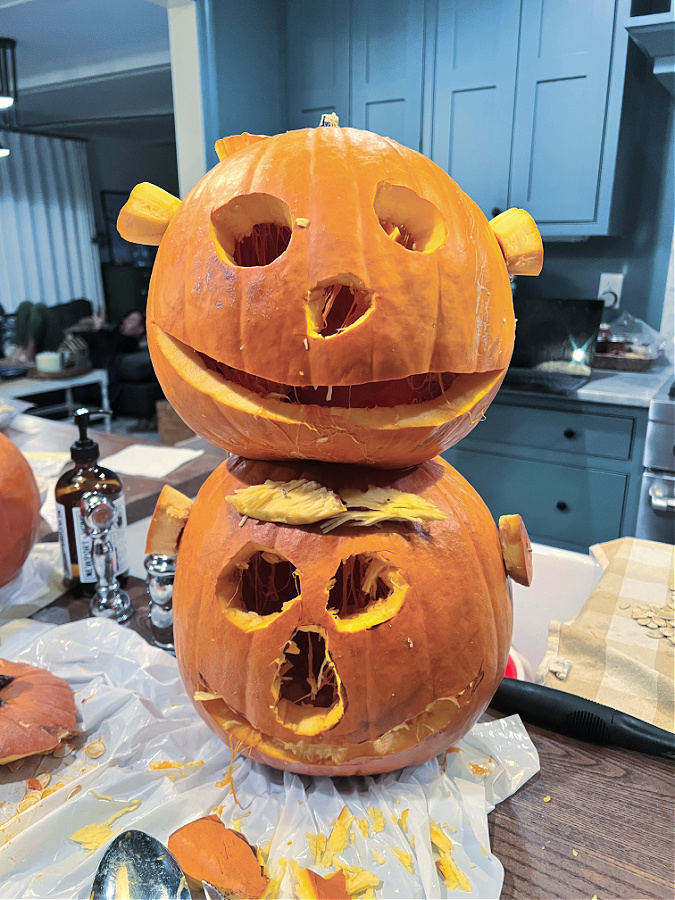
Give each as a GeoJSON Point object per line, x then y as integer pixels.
{"type": "Point", "coordinates": [85, 476]}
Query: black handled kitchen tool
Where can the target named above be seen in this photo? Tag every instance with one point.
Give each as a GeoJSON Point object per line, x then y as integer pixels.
{"type": "Point", "coordinates": [580, 718]}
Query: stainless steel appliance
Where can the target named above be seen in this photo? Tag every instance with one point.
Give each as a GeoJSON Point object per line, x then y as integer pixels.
{"type": "Point", "coordinates": [656, 512]}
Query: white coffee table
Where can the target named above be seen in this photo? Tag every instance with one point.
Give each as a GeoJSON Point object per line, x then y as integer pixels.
{"type": "Point", "coordinates": [25, 388]}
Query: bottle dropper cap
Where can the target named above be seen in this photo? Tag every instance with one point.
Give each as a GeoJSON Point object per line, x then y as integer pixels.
{"type": "Point", "coordinates": [84, 449]}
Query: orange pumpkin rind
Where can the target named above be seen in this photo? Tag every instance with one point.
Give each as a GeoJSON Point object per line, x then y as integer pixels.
{"type": "Point", "coordinates": [309, 885]}
{"type": "Point", "coordinates": [206, 850]}
{"type": "Point", "coordinates": [228, 145]}
{"type": "Point", "coordinates": [37, 710]}
{"type": "Point", "coordinates": [19, 510]}
{"type": "Point", "coordinates": [516, 548]}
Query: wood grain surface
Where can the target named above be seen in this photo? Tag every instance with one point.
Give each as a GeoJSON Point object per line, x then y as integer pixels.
{"type": "Point", "coordinates": [606, 831]}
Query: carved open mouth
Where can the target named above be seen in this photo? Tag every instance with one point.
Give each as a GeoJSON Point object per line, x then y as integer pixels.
{"type": "Point", "coordinates": [435, 718]}
{"type": "Point", "coordinates": [410, 391]}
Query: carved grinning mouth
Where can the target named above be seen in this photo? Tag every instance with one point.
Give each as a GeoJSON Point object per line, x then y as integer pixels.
{"type": "Point", "coordinates": [410, 391]}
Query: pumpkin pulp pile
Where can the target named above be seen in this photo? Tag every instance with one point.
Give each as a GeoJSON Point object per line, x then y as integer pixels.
{"type": "Point", "coordinates": [332, 308]}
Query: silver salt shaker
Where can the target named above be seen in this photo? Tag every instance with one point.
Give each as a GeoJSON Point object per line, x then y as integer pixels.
{"type": "Point", "coordinates": [160, 574]}
{"type": "Point", "coordinates": [100, 517]}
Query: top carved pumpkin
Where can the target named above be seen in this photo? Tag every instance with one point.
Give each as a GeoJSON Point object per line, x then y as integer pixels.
{"type": "Point", "coordinates": [328, 294]}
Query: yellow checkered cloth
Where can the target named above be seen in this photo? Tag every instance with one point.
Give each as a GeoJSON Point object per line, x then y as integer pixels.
{"type": "Point", "coordinates": [620, 647]}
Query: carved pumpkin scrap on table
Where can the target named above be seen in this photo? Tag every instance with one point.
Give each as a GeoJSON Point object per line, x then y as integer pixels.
{"type": "Point", "coordinates": [332, 309]}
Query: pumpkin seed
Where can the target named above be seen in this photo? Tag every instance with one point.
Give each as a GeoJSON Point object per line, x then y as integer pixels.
{"type": "Point", "coordinates": [29, 800]}
{"type": "Point", "coordinates": [95, 749]}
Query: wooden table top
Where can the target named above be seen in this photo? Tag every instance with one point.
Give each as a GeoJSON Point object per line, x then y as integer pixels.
{"type": "Point", "coordinates": [612, 808]}
{"type": "Point", "coordinates": [43, 435]}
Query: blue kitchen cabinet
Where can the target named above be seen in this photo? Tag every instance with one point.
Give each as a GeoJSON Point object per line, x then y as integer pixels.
{"type": "Point", "coordinates": [571, 469]}
{"type": "Point", "coordinates": [527, 104]}
{"type": "Point", "coordinates": [566, 127]}
{"type": "Point", "coordinates": [363, 60]}
{"type": "Point", "coordinates": [317, 54]}
{"type": "Point", "coordinates": [387, 58]}
{"type": "Point", "coordinates": [475, 79]}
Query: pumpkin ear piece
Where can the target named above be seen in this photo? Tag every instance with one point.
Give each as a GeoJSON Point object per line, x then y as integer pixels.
{"type": "Point", "coordinates": [146, 215]}
{"type": "Point", "coordinates": [168, 521]}
{"type": "Point", "coordinates": [227, 146]}
{"type": "Point", "coordinates": [520, 242]}
{"type": "Point", "coordinates": [516, 549]}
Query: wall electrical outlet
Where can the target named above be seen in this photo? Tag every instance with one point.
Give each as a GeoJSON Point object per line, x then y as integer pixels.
{"type": "Point", "coordinates": [610, 289]}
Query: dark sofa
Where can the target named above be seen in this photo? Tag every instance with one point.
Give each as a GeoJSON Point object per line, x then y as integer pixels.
{"type": "Point", "coordinates": [133, 386]}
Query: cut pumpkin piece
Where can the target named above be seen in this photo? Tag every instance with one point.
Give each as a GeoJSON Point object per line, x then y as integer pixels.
{"type": "Point", "coordinates": [228, 145]}
{"type": "Point", "coordinates": [311, 886]}
{"type": "Point", "coordinates": [516, 549]}
{"type": "Point", "coordinates": [146, 215]}
{"type": "Point", "coordinates": [168, 521]}
{"type": "Point", "coordinates": [208, 851]}
{"type": "Point", "coordinates": [520, 242]}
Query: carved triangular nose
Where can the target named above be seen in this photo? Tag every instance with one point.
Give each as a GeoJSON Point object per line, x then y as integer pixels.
{"type": "Point", "coordinates": [334, 306]}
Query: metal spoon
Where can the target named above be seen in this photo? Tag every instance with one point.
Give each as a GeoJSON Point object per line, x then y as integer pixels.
{"type": "Point", "coordinates": [135, 867]}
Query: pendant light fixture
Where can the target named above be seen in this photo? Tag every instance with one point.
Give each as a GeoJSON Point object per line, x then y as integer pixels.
{"type": "Point", "coordinates": [8, 94]}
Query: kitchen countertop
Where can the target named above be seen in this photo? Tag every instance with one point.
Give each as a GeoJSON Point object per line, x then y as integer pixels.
{"type": "Point", "coordinates": [627, 388]}
{"type": "Point", "coordinates": [612, 387]}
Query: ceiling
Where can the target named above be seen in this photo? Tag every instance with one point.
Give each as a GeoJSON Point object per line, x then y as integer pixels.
{"type": "Point", "coordinates": [92, 68]}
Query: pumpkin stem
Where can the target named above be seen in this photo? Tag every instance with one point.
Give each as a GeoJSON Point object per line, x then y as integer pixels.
{"type": "Point", "coordinates": [329, 120]}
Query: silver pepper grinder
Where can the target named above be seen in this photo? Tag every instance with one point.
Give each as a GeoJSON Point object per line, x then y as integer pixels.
{"type": "Point", "coordinates": [160, 574]}
{"type": "Point", "coordinates": [100, 517]}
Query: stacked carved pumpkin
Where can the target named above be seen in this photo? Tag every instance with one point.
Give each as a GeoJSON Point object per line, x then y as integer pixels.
{"type": "Point", "coordinates": [332, 308]}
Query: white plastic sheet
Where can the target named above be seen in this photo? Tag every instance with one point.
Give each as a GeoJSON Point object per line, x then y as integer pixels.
{"type": "Point", "coordinates": [130, 696]}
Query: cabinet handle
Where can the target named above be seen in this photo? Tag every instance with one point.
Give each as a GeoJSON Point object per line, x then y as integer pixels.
{"type": "Point", "coordinates": [570, 433]}
{"type": "Point", "coordinates": [561, 506]}
{"type": "Point", "coordinates": [496, 211]}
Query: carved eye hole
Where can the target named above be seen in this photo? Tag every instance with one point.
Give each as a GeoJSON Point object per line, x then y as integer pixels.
{"type": "Point", "coordinates": [365, 592]}
{"type": "Point", "coordinates": [408, 219]}
{"type": "Point", "coordinates": [258, 581]}
{"type": "Point", "coordinates": [307, 687]}
{"type": "Point", "coordinates": [251, 230]}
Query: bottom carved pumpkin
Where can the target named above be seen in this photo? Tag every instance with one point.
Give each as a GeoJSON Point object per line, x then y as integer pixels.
{"type": "Point", "coordinates": [337, 620]}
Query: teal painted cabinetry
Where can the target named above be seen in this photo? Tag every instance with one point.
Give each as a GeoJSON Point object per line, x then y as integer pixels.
{"type": "Point", "coordinates": [363, 60]}
{"type": "Point", "coordinates": [571, 469]}
{"type": "Point", "coordinates": [317, 49]}
{"type": "Point", "coordinates": [387, 68]}
{"type": "Point", "coordinates": [527, 102]}
{"type": "Point", "coordinates": [475, 88]}
{"type": "Point", "coordinates": [520, 100]}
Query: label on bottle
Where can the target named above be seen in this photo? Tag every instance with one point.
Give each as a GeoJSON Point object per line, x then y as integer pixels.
{"type": "Point", "coordinates": [117, 537]}
{"type": "Point", "coordinates": [63, 539]}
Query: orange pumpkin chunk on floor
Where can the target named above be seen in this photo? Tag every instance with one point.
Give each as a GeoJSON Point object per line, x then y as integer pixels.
{"type": "Point", "coordinates": [208, 851]}
{"type": "Point", "coordinates": [312, 886]}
